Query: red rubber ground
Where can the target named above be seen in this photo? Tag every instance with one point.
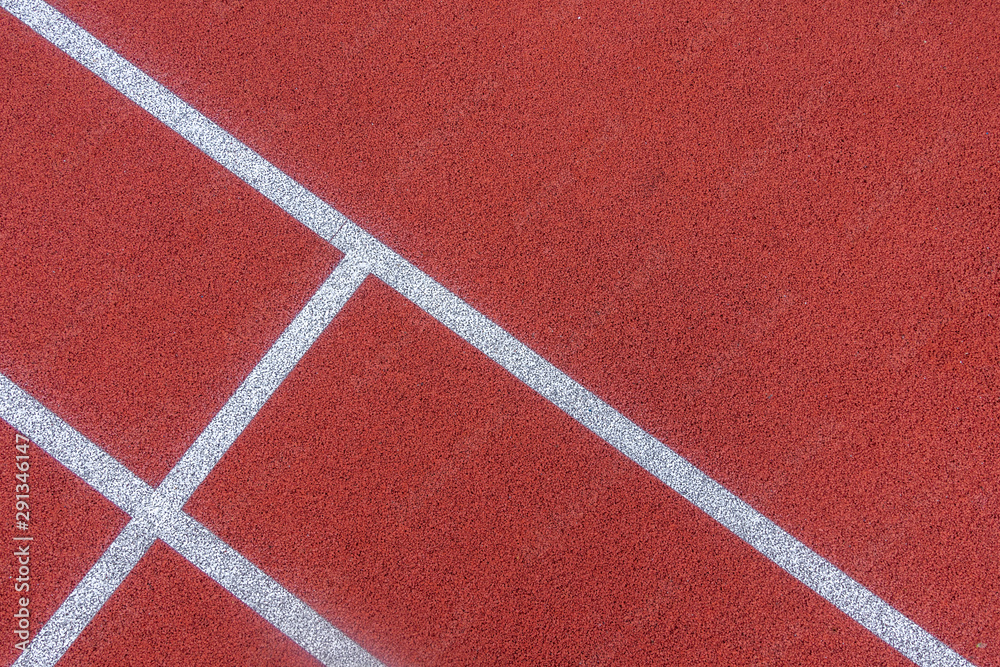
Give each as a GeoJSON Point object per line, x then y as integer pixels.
{"type": "Point", "coordinates": [186, 619]}
{"type": "Point", "coordinates": [143, 281]}
{"type": "Point", "coordinates": [60, 552]}
{"type": "Point", "coordinates": [436, 508]}
{"type": "Point", "coordinates": [767, 233]}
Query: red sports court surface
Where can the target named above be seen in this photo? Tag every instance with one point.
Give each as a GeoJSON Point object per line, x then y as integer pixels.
{"type": "Point", "coordinates": [766, 233]}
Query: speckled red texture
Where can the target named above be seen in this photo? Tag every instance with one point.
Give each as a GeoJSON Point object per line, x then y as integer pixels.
{"type": "Point", "coordinates": [70, 525]}
{"type": "Point", "coordinates": [142, 281]}
{"type": "Point", "coordinates": [766, 232]}
{"type": "Point", "coordinates": [442, 513]}
{"type": "Point", "coordinates": [168, 613]}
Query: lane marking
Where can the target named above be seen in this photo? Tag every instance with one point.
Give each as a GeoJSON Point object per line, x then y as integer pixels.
{"type": "Point", "coordinates": [177, 529]}
{"type": "Point", "coordinates": [264, 379]}
{"type": "Point", "coordinates": [218, 144]}
{"type": "Point", "coordinates": [87, 598]}
{"type": "Point", "coordinates": [791, 555]}
{"type": "Point", "coordinates": [758, 531]}
{"type": "Point", "coordinates": [157, 515]}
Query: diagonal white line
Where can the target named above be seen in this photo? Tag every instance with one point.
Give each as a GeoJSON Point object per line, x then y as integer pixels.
{"type": "Point", "coordinates": [78, 610]}
{"type": "Point", "coordinates": [134, 84]}
{"type": "Point", "coordinates": [757, 530]}
{"type": "Point", "coordinates": [264, 379]}
{"type": "Point", "coordinates": [97, 586]}
{"type": "Point", "coordinates": [261, 593]}
{"type": "Point", "coordinates": [678, 473]}
{"type": "Point", "coordinates": [67, 446]}
{"type": "Point", "coordinates": [154, 514]}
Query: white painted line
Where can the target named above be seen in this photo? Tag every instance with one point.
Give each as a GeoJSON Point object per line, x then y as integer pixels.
{"type": "Point", "coordinates": [221, 146]}
{"type": "Point", "coordinates": [97, 586]}
{"type": "Point", "coordinates": [264, 379]}
{"type": "Point", "coordinates": [261, 593]}
{"type": "Point", "coordinates": [662, 462]}
{"type": "Point", "coordinates": [156, 515]}
{"type": "Point", "coordinates": [67, 446]}
{"type": "Point", "coordinates": [757, 530]}
{"type": "Point", "coordinates": [93, 591]}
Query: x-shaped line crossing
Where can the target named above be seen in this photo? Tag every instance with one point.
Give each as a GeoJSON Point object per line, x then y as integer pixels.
{"type": "Point", "coordinates": [156, 513]}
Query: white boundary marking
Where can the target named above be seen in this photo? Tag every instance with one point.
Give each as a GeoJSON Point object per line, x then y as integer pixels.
{"type": "Point", "coordinates": [218, 144]}
{"type": "Point", "coordinates": [157, 513]}
{"type": "Point", "coordinates": [94, 590]}
{"type": "Point", "coordinates": [264, 379]}
{"type": "Point", "coordinates": [708, 495]}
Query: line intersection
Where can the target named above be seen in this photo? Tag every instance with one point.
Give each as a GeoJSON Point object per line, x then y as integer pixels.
{"type": "Point", "coordinates": [158, 511]}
